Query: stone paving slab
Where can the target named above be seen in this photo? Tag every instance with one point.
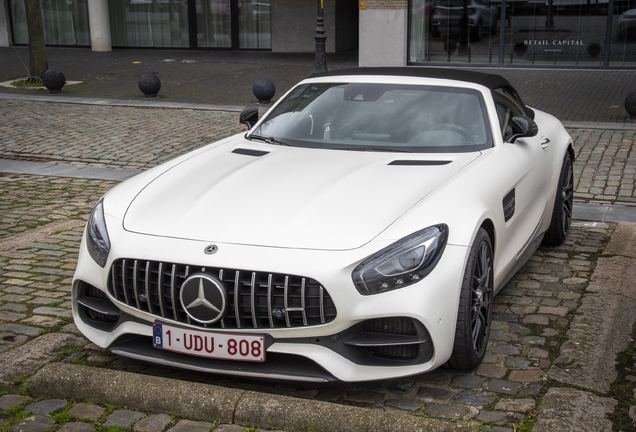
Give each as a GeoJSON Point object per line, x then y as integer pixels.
{"type": "Point", "coordinates": [565, 409]}
{"type": "Point", "coordinates": [76, 427]}
{"type": "Point", "coordinates": [588, 357]}
{"type": "Point", "coordinates": [153, 423]}
{"type": "Point", "coordinates": [9, 401]}
{"type": "Point", "coordinates": [623, 241]}
{"type": "Point", "coordinates": [25, 359]}
{"type": "Point", "coordinates": [37, 423]}
{"type": "Point", "coordinates": [87, 411]}
{"type": "Point", "coordinates": [46, 407]}
{"type": "Point", "coordinates": [123, 418]}
{"type": "Point", "coordinates": [615, 275]}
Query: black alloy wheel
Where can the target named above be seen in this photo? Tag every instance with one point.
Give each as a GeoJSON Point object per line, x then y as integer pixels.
{"type": "Point", "coordinates": [563, 204]}
{"type": "Point", "coordinates": [475, 306]}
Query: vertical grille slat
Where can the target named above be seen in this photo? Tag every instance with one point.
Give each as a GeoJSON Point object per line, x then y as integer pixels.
{"type": "Point", "coordinates": [135, 269]}
{"type": "Point", "coordinates": [113, 281]}
{"type": "Point", "coordinates": [269, 301]}
{"type": "Point", "coordinates": [123, 282]}
{"type": "Point", "coordinates": [286, 301]}
{"type": "Point", "coordinates": [162, 300]}
{"type": "Point", "coordinates": [302, 301]}
{"type": "Point", "coordinates": [147, 288]}
{"type": "Point", "coordinates": [254, 300]}
{"type": "Point", "coordinates": [172, 292]}
{"type": "Point", "coordinates": [221, 279]}
{"type": "Point", "coordinates": [237, 299]}
{"type": "Point", "coordinates": [322, 306]}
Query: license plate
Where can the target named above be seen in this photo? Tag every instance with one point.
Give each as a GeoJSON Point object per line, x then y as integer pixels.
{"type": "Point", "coordinates": [228, 346]}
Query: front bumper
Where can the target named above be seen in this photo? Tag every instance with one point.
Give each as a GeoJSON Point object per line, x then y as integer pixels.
{"type": "Point", "coordinates": [343, 349]}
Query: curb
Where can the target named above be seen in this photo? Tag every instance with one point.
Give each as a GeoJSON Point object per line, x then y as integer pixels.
{"type": "Point", "coordinates": [142, 103]}
{"type": "Point", "coordinates": [213, 403]}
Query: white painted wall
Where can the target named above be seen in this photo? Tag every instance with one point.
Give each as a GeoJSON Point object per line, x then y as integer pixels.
{"type": "Point", "coordinates": [383, 37]}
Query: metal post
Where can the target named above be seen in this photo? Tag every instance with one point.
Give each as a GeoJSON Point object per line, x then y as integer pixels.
{"type": "Point", "coordinates": [320, 60]}
{"type": "Point", "coordinates": [464, 31]}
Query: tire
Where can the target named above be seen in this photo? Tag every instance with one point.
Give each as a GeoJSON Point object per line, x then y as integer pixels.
{"type": "Point", "coordinates": [562, 212]}
{"type": "Point", "coordinates": [475, 306]}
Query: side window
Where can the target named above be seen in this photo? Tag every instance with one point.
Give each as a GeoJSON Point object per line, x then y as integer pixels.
{"type": "Point", "coordinates": [506, 109]}
{"type": "Point", "coordinates": [504, 114]}
{"type": "Point", "coordinates": [509, 99]}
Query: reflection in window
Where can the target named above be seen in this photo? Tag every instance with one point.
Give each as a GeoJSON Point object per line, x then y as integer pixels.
{"type": "Point", "coordinates": [214, 23]}
{"type": "Point", "coordinates": [65, 22]}
{"type": "Point", "coordinates": [454, 31]}
{"type": "Point", "coordinates": [149, 23]}
{"type": "Point", "coordinates": [255, 24]}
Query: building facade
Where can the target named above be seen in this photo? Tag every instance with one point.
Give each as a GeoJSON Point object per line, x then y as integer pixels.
{"type": "Point", "coordinates": [503, 33]}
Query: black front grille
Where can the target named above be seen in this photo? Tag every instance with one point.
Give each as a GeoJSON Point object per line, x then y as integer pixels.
{"type": "Point", "coordinates": [255, 299]}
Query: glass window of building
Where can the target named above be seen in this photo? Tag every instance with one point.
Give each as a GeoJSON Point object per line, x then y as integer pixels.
{"type": "Point", "coordinates": [149, 23]}
{"type": "Point", "coordinates": [543, 33]}
{"type": "Point", "coordinates": [65, 22]}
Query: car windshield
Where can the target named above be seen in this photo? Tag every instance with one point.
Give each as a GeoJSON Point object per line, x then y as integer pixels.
{"type": "Point", "coordinates": [379, 117]}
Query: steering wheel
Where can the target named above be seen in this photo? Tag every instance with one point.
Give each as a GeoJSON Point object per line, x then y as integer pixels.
{"type": "Point", "coordinates": [454, 128]}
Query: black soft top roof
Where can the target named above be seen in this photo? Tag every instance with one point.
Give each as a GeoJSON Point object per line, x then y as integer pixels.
{"type": "Point", "coordinates": [490, 81]}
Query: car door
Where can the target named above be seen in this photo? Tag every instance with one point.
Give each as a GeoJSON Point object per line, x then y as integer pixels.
{"type": "Point", "coordinates": [533, 158]}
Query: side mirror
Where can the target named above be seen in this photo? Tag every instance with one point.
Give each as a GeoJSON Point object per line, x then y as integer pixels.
{"type": "Point", "coordinates": [249, 116]}
{"type": "Point", "coordinates": [522, 127]}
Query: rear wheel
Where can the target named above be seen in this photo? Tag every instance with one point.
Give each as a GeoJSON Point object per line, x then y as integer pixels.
{"type": "Point", "coordinates": [475, 306]}
{"type": "Point", "coordinates": [562, 212]}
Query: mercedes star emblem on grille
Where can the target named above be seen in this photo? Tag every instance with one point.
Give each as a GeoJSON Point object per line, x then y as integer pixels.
{"type": "Point", "coordinates": [203, 297]}
{"type": "Point", "coordinates": [211, 249]}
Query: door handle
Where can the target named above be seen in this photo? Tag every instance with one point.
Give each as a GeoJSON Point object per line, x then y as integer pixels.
{"type": "Point", "coordinates": [545, 143]}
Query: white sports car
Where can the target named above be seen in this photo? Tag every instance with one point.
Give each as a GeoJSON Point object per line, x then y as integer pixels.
{"type": "Point", "coordinates": [358, 231]}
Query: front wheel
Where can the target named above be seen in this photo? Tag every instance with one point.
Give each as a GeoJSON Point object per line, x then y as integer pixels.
{"type": "Point", "coordinates": [475, 306]}
{"type": "Point", "coordinates": [563, 202]}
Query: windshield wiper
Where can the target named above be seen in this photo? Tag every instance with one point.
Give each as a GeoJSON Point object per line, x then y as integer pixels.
{"type": "Point", "coordinates": [268, 140]}
{"type": "Point", "coordinates": [376, 149]}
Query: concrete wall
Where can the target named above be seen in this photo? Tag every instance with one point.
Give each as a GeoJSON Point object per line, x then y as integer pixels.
{"type": "Point", "coordinates": [5, 24]}
{"type": "Point", "coordinates": [383, 33]}
{"type": "Point", "coordinates": [294, 25]}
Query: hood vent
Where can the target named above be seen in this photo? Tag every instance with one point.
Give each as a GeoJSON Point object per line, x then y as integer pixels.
{"type": "Point", "coordinates": [248, 152]}
{"type": "Point", "coordinates": [419, 162]}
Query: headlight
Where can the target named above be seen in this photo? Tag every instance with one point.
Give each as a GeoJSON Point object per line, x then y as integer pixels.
{"type": "Point", "coordinates": [402, 263]}
{"type": "Point", "coordinates": [97, 236]}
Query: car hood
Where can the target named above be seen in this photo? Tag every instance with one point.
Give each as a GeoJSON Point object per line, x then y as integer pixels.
{"type": "Point", "coordinates": [267, 195]}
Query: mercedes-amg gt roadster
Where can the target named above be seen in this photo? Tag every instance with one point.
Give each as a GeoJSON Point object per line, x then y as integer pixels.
{"type": "Point", "coordinates": [358, 231]}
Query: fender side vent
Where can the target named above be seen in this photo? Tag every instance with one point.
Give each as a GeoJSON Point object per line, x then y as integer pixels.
{"type": "Point", "coordinates": [248, 152]}
{"type": "Point", "coordinates": [419, 162]}
{"type": "Point", "coordinates": [509, 205]}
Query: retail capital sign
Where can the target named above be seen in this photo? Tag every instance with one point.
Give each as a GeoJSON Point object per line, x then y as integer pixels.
{"type": "Point", "coordinates": [554, 42]}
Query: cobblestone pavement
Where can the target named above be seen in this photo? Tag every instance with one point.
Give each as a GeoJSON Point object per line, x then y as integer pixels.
{"type": "Point", "coordinates": [42, 218]}
{"type": "Point", "coordinates": [107, 136]}
{"type": "Point", "coordinates": [531, 316]}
